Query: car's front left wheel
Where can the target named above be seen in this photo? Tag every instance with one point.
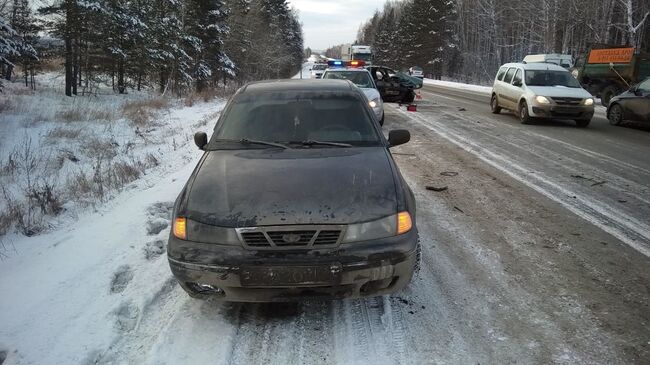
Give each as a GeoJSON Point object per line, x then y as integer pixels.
{"type": "Point", "coordinates": [524, 117]}
{"type": "Point", "coordinates": [615, 115]}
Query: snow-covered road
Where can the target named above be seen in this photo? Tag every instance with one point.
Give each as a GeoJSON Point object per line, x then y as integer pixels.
{"type": "Point", "coordinates": [508, 275]}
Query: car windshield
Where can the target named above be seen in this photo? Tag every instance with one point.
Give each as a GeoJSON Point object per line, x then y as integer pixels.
{"type": "Point", "coordinates": [319, 67]}
{"type": "Point", "coordinates": [295, 117]}
{"type": "Point", "coordinates": [360, 78]}
{"type": "Point", "coordinates": [362, 56]}
{"type": "Point", "coordinates": [550, 78]}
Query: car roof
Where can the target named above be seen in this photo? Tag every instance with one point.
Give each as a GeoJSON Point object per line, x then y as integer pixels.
{"type": "Point", "coordinates": [298, 84]}
{"type": "Point", "coordinates": [536, 66]}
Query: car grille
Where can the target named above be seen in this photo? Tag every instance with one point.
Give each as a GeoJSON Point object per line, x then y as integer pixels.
{"type": "Point", "coordinates": [567, 101]}
{"type": "Point", "coordinates": [291, 237]}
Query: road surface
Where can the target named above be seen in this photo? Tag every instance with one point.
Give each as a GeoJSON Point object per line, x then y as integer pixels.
{"type": "Point", "coordinates": [536, 253]}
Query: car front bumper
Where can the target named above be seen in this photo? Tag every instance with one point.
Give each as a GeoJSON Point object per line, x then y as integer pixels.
{"type": "Point", "coordinates": [556, 111]}
{"type": "Point", "coordinates": [351, 270]}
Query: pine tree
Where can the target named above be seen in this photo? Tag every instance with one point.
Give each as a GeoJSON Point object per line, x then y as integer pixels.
{"type": "Point", "coordinates": [9, 44]}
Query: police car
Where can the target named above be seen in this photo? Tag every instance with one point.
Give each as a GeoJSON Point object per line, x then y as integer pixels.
{"type": "Point", "coordinates": [354, 71]}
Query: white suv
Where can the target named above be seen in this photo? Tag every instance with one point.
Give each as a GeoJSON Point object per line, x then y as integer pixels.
{"type": "Point", "coordinates": [541, 90]}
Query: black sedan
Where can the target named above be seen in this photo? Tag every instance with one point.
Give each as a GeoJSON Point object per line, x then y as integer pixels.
{"type": "Point", "coordinates": [394, 86]}
{"type": "Point", "coordinates": [296, 195]}
{"type": "Point", "coordinates": [632, 105]}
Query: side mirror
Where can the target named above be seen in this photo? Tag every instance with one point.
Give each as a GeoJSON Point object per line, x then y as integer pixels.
{"type": "Point", "coordinates": [397, 137]}
{"type": "Point", "coordinates": [200, 139]}
{"type": "Point", "coordinates": [517, 83]}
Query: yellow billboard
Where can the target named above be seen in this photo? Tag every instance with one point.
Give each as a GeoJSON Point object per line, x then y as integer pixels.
{"type": "Point", "coordinates": [613, 55]}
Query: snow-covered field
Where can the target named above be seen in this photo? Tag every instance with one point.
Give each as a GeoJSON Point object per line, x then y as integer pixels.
{"type": "Point", "coordinates": [459, 85]}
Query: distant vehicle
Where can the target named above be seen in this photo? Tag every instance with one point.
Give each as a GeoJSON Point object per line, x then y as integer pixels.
{"type": "Point", "coordinates": [416, 71]}
{"type": "Point", "coordinates": [296, 196]}
{"type": "Point", "coordinates": [564, 60]}
{"type": "Point", "coordinates": [394, 86]}
{"type": "Point", "coordinates": [608, 70]}
{"type": "Point", "coordinates": [317, 70]}
{"type": "Point", "coordinates": [350, 52]}
{"type": "Point", "coordinates": [539, 90]}
{"type": "Point", "coordinates": [362, 78]}
{"type": "Point", "coordinates": [632, 105]}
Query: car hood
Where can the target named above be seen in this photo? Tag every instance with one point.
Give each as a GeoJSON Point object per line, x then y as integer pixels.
{"type": "Point", "coordinates": [370, 93]}
{"type": "Point", "coordinates": [258, 187]}
{"type": "Point", "coordinates": [560, 91]}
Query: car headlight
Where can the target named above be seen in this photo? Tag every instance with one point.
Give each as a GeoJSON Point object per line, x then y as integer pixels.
{"type": "Point", "coordinates": [542, 99]}
{"type": "Point", "coordinates": [390, 226]}
{"type": "Point", "coordinates": [374, 103]}
{"type": "Point", "coordinates": [187, 229]}
{"type": "Point", "coordinates": [588, 101]}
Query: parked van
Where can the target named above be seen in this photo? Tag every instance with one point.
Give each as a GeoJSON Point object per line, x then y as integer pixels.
{"type": "Point", "coordinates": [541, 90]}
{"type": "Point", "coordinates": [564, 60]}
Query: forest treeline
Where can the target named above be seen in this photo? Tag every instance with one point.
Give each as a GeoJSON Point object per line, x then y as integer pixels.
{"type": "Point", "coordinates": [172, 45]}
{"type": "Point", "coordinates": [469, 39]}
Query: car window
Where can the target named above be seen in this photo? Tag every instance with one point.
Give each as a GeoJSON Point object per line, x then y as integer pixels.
{"type": "Point", "coordinates": [550, 78]}
{"type": "Point", "coordinates": [517, 77]}
{"type": "Point", "coordinates": [509, 74]}
{"type": "Point", "coordinates": [644, 87]}
{"type": "Point", "coordinates": [297, 116]}
{"type": "Point", "coordinates": [502, 71]}
{"type": "Point", "coordinates": [361, 79]}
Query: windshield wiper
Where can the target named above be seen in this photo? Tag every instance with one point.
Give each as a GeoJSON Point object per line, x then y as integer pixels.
{"type": "Point", "coordinates": [254, 141]}
{"type": "Point", "coordinates": [311, 142]}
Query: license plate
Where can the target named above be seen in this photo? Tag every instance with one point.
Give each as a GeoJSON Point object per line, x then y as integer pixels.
{"type": "Point", "coordinates": [287, 276]}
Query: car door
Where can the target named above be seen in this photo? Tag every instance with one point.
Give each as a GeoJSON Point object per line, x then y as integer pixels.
{"type": "Point", "coordinates": [506, 98]}
{"type": "Point", "coordinates": [638, 105]}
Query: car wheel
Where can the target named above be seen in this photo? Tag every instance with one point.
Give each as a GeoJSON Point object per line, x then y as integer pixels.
{"type": "Point", "coordinates": [418, 259]}
{"type": "Point", "coordinates": [608, 93]}
{"type": "Point", "coordinates": [494, 105]}
{"type": "Point", "coordinates": [582, 123]}
{"type": "Point", "coordinates": [523, 113]}
{"type": "Point", "coordinates": [615, 115]}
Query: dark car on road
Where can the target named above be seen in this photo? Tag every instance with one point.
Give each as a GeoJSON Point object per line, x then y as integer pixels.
{"type": "Point", "coordinates": [632, 105]}
{"type": "Point", "coordinates": [296, 195]}
{"type": "Point", "coordinates": [394, 86]}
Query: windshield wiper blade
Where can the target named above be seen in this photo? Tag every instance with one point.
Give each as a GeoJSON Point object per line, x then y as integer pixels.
{"type": "Point", "coordinates": [311, 142]}
{"type": "Point", "coordinates": [254, 141]}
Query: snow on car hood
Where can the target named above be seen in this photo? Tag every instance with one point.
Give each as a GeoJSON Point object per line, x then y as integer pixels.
{"type": "Point", "coordinates": [256, 187]}
{"type": "Point", "coordinates": [560, 91]}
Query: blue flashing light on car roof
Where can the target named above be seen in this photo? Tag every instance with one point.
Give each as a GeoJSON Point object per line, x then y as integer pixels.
{"type": "Point", "coordinates": [336, 63]}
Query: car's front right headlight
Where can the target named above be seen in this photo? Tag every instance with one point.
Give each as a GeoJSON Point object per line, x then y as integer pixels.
{"type": "Point", "coordinates": [374, 103]}
{"type": "Point", "coordinates": [588, 101]}
{"type": "Point", "coordinates": [188, 229]}
{"type": "Point", "coordinates": [542, 99]}
{"type": "Point", "coordinates": [390, 226]}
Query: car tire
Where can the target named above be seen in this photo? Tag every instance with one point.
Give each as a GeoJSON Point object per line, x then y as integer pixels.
{"type": "Point", "coordinates": [418, 259]}
{"type": "Point", "coordinates": [615, 115]}
{"type": "Point", "coordinates": [608, 93]}
{"type": "Point", "coordinates": [524, 117]}
{"type": "Point", "coordinates": [494, 105]}
{"type": "Point", "coordinates": [583, 123]}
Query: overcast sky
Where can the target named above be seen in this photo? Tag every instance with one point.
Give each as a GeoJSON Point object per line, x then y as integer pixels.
{"type": "Point", "coordinates": [329, 22]}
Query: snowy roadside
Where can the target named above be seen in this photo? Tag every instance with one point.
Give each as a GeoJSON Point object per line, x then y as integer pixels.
{"type": "Point", "coordinates": [71, 292]}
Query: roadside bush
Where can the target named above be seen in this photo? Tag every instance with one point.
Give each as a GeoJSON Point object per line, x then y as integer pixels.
{"type": "Point", "coordinates": [141, 112]}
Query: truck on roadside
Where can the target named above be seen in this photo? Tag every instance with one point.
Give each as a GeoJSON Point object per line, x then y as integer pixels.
{"type": "Point", "coordinates": [564, 60]}
{"type": "Point", "coordinates": [606, 71]}
{"type": "Point", "coordinates": [356, 52]}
